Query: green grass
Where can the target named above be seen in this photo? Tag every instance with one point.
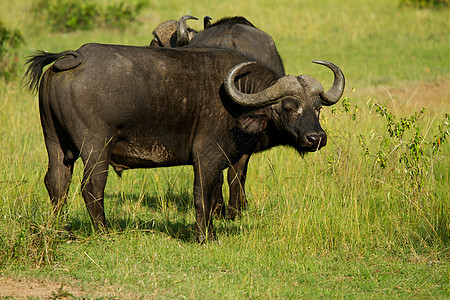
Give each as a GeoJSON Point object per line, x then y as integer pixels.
{"type": "Point", "coordinates": [333, 224]}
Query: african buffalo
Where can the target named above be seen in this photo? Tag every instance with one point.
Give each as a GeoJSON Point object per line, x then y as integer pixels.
{"type": "Point", "coordinates": [238, 34]}
{"type": "Point", "coordinates": [234, 33]}
{"type": "Point", "coordinates": [173, 34]}
{"type": "Point", "coordinates": [145, 107]}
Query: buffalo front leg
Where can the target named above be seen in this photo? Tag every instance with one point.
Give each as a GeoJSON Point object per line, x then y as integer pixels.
{"type": "Point", "coordinates": [219, 206]}
{"type": "Point", "coordinates": [206, 182]}
{"type": "Point", "coordinates": [236, 181]}
{"type": "Point", "coordinates": [93, 185]}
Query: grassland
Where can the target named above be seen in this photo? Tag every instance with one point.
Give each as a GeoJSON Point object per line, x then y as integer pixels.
{"type": "Point", "coordinates": [332, 224]}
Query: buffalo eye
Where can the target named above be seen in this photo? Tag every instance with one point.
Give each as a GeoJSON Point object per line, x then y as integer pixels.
{"type": "Point", "coordinates": [289, 106]}
{"type": "Point", "coordinates": [317, 111]}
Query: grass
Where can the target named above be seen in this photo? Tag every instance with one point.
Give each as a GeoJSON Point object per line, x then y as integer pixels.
{"type": "Point", "coordinates": [333, 224]}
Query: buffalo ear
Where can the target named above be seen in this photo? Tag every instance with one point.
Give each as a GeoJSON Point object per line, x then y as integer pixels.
{"type": "Point", "coordinates": [252, 122]}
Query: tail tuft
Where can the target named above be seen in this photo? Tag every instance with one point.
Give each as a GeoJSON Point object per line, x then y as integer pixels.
{"type": "Point", "coordinates": [37, 62]}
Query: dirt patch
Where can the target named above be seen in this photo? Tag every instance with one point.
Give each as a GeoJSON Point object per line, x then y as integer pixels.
{"type": "Point", "coordinates": [22, 289]}
{"type": "Point", "coordinates": [434, 95]}
{"type": "Point", "coordinates": [41, 289]}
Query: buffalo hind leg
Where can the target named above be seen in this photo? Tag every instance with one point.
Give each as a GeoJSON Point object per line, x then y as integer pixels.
{"type": "Point", "coordinates": [236, 181]}
{"type": "Point", "coordinates": [96, 161]}
{"type": "Point", "coordinates": [58, 176]}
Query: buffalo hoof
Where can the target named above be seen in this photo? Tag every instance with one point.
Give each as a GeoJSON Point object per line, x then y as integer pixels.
{"type": "Point", "coordinates": [219, 211]}
{"type": "Point", "coordinates": [232, 213]}
{"type": "Point", "coordinates": [244, 204]}
{"type": "Point", "coordinates": [205, 238]}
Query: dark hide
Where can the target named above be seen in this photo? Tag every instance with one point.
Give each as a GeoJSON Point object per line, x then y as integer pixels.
{"type": "Point", "coordinates": [248, 40]}
{"type": "Point", "coordinates": [240, 35]}
{"type": "Point", "coordinates": [144, 107]}
{"type": "Point", "coordinates": [233, 20]}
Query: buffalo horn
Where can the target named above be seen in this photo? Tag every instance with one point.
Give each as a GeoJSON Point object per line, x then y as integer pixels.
{"type": "Point", "coordinates": [206, 22]}
{"type": "Point", "coordinates": [335, 92]}
{"type": "Point", "coordinates": [182, 30]}
{"type": "Point", "coordinates": [286, 85]}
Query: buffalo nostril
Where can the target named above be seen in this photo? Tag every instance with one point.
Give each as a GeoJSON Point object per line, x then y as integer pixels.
{"type": "Point", "coordinates": [316, 139]}
{"type": "Point", "coordinates": [313, 138]}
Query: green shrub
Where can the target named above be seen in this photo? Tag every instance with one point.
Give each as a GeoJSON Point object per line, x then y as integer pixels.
{"type": "Point", "coordinates": [406, 146]}
{"type": "Point", "coordinates": [70, 15]}
{"type": "Point", "coordinates": [10, 41]}
{"type": "Point", "coordinates": [402, 163]}
{"type": "Point", "coordinates": [424, 3]}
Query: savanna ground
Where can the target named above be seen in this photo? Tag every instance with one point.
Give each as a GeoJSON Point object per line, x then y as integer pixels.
{"type": "Point", "coordinates": [366, 216]}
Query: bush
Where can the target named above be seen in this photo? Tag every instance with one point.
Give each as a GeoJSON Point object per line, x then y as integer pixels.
{"type": "Point", "coordinates": [119, 15]}
{"type": "Point", "coordinates": [407, 146]}
{"type": "Point", "coordinates": [425, 3]}
{"type": "Point", "coordinates": [402, 164]}
{"type": "Point", "coordinates": [10, 41]}
{"type": "Point", "coordinates": [70, 15]}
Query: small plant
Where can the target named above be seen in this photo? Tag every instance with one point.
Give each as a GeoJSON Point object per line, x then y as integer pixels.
{"type": "Point", "coordinates": [345, 114]}
{"type": "Point", "coordinates": [424, 3]}
{"type": "Point", "coordinates": [405, 145]}
{"type": "Point", "coordinates": [10, 41]}
{"type": "Point", "coordinates": [442, 133]}
{"type": "Point", "coordinates": [70, 15]}
{"type": "Point", "coordinates": [347, 107]}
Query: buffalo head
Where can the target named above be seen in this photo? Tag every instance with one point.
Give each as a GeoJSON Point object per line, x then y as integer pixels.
{"type": "Point", "coordinates": [171, 34]}
{"type": "Point", "coordinates": [289, 108]}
